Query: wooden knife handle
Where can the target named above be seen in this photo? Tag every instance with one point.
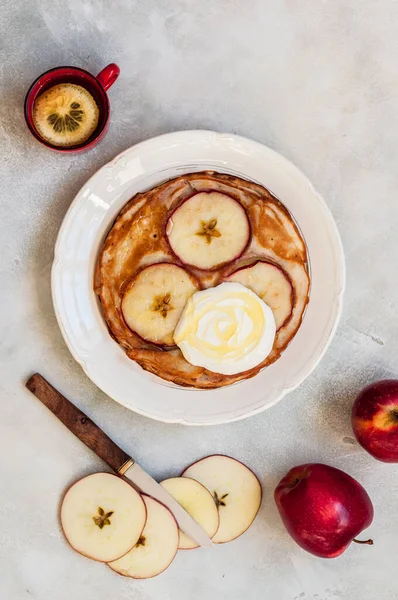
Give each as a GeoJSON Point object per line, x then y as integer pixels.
{"type": "Point", "coordinates": [77, 422]}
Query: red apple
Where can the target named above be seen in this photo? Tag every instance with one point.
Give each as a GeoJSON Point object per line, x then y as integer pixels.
{"type": "Point", "coordinates": [375, 420]}
{"type": "Point", "coordinates": [323, 508]}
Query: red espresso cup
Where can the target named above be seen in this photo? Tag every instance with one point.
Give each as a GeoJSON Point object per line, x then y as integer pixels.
{"type": "Point", "coordinates": [96, 86]}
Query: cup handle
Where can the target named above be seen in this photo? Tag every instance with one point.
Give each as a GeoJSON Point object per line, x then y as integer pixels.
{"type": "Point", "coordinates": [108, 76]}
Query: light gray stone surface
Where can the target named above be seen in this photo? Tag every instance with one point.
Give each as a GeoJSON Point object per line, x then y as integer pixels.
{"type": "Point", "coordinates": [318, 82]}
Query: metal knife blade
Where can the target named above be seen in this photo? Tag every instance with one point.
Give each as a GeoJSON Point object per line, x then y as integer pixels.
{"type": "Point", "coordinates": [94, 438]}
{"type": "Point", "coordinates": [146, 484]}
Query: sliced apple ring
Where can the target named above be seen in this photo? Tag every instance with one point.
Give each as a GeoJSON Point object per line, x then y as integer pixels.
{"type": "Point", "coordinates": [236, 492]}
{"type": "Point", "coordinates": [198, 502]}
{"type": "Point", "coordinates": [154, 299]}
{"type": "Point", "coordinates": [208, 230]}
{"type": "Point", "coordinates": [273, 286]}
{"type": "Point", "coordinates": [102, 517]}
{"type": "Point", "coordinates": [156, 548]}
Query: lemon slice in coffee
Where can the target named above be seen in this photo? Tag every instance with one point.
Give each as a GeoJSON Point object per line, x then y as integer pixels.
{"type": "Point", "coordinates": [65, 115]}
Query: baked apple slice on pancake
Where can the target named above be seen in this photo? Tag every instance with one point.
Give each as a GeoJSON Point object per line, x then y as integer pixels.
{"type": "Point", "coordinates": [154, 299]}
{"type": "Point", "coordinates": [208, 230]}
{"type": "Point", "coordinates": [271, 284]}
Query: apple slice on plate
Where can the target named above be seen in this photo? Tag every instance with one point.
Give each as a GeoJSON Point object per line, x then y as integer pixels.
{"type": "Point", "coordinates": [208, 230]}
{"type": "Point", "coordinates": [154, 299]}
{"type": "Point", "coordinates": [198, 502]}
{"type": "Point", "coordinates": [272, 284]}
{"type": "Point", "coordinates": [156, 547]}
{"type": "Point", "coordinates": [236, 492]}
{"type": "Point", "coordinates": [102, 517]}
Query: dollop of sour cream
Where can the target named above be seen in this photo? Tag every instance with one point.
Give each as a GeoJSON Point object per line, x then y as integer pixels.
{"type": "Point", "coordinates": [227, 329]}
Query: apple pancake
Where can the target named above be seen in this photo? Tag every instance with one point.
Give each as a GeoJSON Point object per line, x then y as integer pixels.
{"type": "Point", "coordinates": [259, 247]}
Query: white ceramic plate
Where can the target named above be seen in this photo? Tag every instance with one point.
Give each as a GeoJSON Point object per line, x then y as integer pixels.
{"type": "Point", "coordinates": [86, 224]}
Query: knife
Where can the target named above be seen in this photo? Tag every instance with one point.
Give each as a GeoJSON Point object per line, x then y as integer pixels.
{"type": "Point", "coordinates": [90, 434]}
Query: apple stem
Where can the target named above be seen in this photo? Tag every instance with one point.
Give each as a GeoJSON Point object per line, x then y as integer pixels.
{"type": "Point", "coordinates": [368, 542]}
